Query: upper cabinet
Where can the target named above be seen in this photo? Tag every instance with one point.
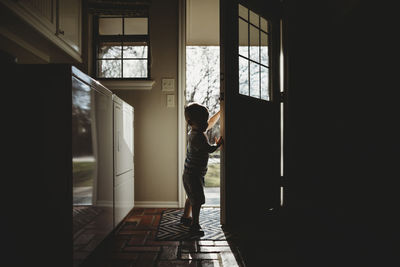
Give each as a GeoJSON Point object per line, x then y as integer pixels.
{"type": "Point", "coordinates": [60, 21]}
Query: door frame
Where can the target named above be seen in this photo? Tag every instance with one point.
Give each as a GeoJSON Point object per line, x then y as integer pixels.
{"type": "Point", "coordinates": [181, 99]}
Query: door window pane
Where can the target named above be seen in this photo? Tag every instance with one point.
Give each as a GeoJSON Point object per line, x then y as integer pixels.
{"type": "Point", "coordinates": [254, 80]}
{"type": "Point", "coordinates": [264, 83]}
{"type": "Point", "coordinates": [136, 26]}
{"type": "Point", "coordinates": [243, 76]}
{"type": "Point", "coordinates": [254, 18]}
{"type": "Point", "coordinates": [135, 68]}
{"type": "Point", "coordinates": [109, 68]}
{"type": "Point", "coordinates": [110, 26]}
{"type": "Point", "coordinates": [264, 49]}
{"type": "Point", "coordinates": [243, 38]}
{"type": "Point", "coordinates": [243, 12]}
{"type": "Point", "coordinates": [254, 43]}
{"type": "Point", "coordinates": [264, 24]}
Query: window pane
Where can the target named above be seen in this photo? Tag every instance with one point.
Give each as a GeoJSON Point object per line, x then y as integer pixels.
{"type": "Point", "coordinates": [264, 49]}
{"type": "Point", "coordinates": [264, 83]}
{"type": "Point", "coordinates": [135, 68]}
{"type": "Point", "coordinates": [109, 68]}
{"type": "Point", "coordinates": [243, 12]}
{"type": "Point", "coordinates": [254, 18]}
{"type": "Point", "coordinates": [243, 38]}
{"type": "Point", "coordinates": [110, 26]}
{"type": "Point", "coordinates": [254, 43]}
{"type": "Point", "coordinates": [254, 80]}
{"type": "Point", "coordinates": [243, 76]}
{"type": "Point", "coordinates": [135, 50]}
{"type": "Point", "coordinates": [136, 26]}
{"type": "Point", "coordinates": [264, 25]}
{"type": "Point", "coordinates": [110, 50]}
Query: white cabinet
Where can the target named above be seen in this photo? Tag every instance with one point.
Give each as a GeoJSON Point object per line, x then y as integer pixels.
{"type": "Point", "coordinates": [123, 159]}
{"type": "Point", "coordinates": [60, 21]}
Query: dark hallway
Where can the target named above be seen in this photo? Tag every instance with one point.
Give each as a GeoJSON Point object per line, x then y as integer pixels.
{"type": "Point", "coordinates": [341, 153]}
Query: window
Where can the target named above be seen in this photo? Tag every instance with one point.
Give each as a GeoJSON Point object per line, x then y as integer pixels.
{"type": "Point", "coordinates": [253, 55]}
{"type": "Point", "coordinates": [122, 47]}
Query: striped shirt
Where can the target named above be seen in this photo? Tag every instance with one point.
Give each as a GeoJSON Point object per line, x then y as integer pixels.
{"type": "Point", "coordinates": [197, 152]}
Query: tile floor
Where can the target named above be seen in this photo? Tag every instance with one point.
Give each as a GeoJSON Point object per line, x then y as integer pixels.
{"type": "Point", "coordinates": [134, 244]}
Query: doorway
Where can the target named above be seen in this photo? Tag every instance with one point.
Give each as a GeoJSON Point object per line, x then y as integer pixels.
{"type": "Point", "coordinates": [202, 86]}
{"type": "Point", "coordinates": [199, 47]}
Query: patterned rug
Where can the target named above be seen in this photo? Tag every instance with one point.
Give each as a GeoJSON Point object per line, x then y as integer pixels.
{"type": "Point", "coordinates": [170, 227]}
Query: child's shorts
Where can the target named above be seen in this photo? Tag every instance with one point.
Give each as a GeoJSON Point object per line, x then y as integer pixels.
{"type": "Point", "coordinates": [194, 187]}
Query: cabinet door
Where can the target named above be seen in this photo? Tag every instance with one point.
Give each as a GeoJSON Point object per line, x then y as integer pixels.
{"type": "Point", "coordinates": [69, 23]}
{"type": "Point", "coordinates": [41, 13]}
{"type": "Point", "coordinates": [123, 196]}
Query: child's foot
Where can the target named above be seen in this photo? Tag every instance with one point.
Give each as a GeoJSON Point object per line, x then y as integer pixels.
{"type": "Point", "coordinates": [187, 221]}
{"type": "Point", "coordinates": [196, 229]}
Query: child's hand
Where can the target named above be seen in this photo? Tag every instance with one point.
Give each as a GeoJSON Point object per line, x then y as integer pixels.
{"type": "Point", "coordinates": [219, 141]}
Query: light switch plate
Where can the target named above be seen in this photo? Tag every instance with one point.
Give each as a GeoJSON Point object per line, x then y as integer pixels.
{"type": "Point", "coordinates": [168, 84]}
{"type": "Point", "coordinates": [170, 101]}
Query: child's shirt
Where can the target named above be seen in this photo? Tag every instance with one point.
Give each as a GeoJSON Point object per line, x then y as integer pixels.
{"type": "Point", "coordinates": [198, 150]}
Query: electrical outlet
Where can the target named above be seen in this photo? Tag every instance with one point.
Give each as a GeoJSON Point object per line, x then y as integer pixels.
{"type": "Point", "coordinates": [168, 85]}
{"type": "Point", "coordinates": [170, 101]}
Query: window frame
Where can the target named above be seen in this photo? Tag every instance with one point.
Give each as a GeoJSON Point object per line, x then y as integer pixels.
{"type": "Point", "coordinates": [248, 58]}
{"type": "Point", "coordinates": [97, 39]}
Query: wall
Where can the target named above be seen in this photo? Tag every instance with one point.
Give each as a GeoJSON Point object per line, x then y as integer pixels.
{"type": "Point", "coordinates": [156, 135]}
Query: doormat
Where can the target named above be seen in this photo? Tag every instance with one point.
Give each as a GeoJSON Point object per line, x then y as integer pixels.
{"type": "Point", "coordinates": [170, 227]}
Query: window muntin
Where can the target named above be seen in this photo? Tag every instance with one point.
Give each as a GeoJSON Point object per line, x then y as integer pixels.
{"type": "Point", "coordinates": [122, 48]}
{"type": "Point", "coordinates": [253, 53]}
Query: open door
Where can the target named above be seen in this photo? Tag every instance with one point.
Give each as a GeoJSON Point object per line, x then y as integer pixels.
{"type": "Point", "coordinates": [250, 104]}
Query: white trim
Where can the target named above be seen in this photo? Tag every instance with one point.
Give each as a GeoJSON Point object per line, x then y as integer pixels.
{"type": "Point", "coordinates": [156, 204]}
{"type": "Point", "coordinates": [128, 84]}
{"type": "Point", "coordinates": [181, 99]}
{"type": "Point", "coordinates": [20, 42]}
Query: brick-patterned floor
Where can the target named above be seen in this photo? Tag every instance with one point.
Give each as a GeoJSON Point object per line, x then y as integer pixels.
{"type": "Point", "coordinates": [134, 244]}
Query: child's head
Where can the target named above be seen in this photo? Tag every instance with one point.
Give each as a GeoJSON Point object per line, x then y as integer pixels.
{"type": "Point", "coordinates": [197, 115]}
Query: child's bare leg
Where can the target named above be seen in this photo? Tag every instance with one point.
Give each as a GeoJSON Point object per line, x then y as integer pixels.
{"type": "Point", "coordinates": [196, 214]}
{"type": "Point", "coordinates": [188, 209]}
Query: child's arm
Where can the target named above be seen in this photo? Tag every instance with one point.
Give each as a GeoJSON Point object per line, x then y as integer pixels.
{"type": "Point", "coordinates": [213, 120]}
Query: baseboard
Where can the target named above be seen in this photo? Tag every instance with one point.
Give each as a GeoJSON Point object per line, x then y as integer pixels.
{"type": "Point", "coordinates": [156, 204]}
{"type": "Point", "coordinates": [104, 203]}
